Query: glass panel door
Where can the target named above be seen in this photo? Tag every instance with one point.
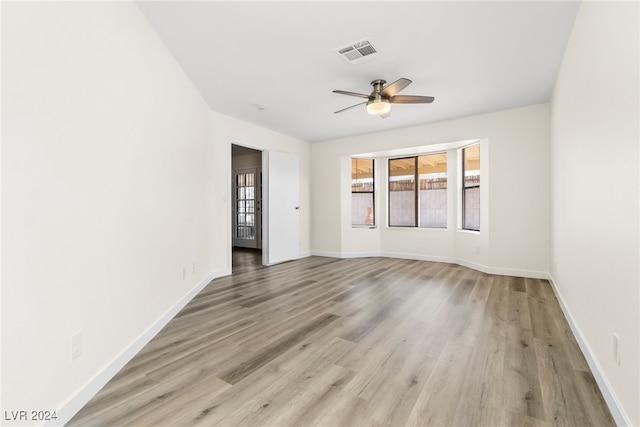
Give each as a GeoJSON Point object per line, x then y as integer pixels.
{"type": "Point", "coordinates": [246, 219]}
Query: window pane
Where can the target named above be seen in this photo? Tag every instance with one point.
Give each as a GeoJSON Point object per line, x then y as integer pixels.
{"type": "Point", "coordinates": [402, 196]}
{"type": "Point", "coordinates": [361, 175]}
{"type": "Point", "coordinates": [362, 208]}
{"type": "Point", "coordinates": [362, 192]}
{"type": "Point", "coordinates": [245, 233]}
{"type": "Point", "coordinates": [432, 171]}
{"type": "Point", "coordinates": [471, 191]}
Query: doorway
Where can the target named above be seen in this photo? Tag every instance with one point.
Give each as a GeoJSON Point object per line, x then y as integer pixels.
{"type": "Point", "coordinates": [264, 194]}
{"type": "Point", "coordinates": [247, 231]}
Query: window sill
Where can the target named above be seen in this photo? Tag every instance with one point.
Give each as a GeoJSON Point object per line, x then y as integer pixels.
{"type": "Point", "coordinates": [462, 230]}
{"type": "Point", "coordinates": [418, 228]}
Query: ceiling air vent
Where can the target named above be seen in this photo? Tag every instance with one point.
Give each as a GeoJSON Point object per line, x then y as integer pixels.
{"type": "Point", "coordinates": [358, 52]}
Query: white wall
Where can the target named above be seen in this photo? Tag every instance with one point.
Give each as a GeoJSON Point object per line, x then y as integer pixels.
{"type": "Point", "coordinates": [595, 213]}
{"type": "Point", "coordinates": [514, 237]}
{"type": "Point", "coordinates": [107, 168]}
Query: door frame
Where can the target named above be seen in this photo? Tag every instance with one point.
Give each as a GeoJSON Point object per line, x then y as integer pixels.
{"type": "Point", "coordinates": [265, 200]}
{"type": "Point", "coordinates": [230, 197]}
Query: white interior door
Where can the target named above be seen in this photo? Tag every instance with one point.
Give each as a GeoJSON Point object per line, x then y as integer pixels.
{"type": "Point", "coordinates": [283, 207]}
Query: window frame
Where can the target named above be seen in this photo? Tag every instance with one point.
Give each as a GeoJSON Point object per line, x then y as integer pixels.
{"type": "Point", "coordinates": [372, 192]}
{"type": "Point", "coordinates": [416, 190]}
{"type": "Point", "coordinates": [463, 201]}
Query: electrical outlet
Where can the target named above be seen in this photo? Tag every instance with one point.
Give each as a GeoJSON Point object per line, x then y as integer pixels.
{"type": "Point", "coordinates": [193, 270]}
{"type": "Point", "coordinates": [76, 345]}
{"type": "Point", "coordinates": [616, 349]}
{"type": "Point", "coordinates": [184, 273]}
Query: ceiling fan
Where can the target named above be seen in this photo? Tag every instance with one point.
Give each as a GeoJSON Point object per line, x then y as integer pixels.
{"type": "Point", "coordinates": [380, 100]}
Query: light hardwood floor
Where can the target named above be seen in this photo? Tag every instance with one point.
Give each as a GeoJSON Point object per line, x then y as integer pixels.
{"type": "Point", "coordinates": [358, 342]}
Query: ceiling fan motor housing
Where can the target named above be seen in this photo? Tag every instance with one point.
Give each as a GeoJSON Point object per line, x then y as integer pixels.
{"type": "Point", "coordinates": [378, 85]}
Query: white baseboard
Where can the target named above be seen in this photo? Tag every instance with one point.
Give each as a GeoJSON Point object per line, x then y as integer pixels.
{"type": "Point", "coordinates": [328, 254]}
{"type": "Point", "coordinates": [501, 271]}
{"type": "Point", "coordinates": [465, 263]}
{"type": "Point", "coordinates": [403, 255]}
{"type": "Point", "coordinates": [69, 408]}
{"type": "Point", "coordinates": [619, 415]}
{"type": "Point", "coordinates": [360, 255]}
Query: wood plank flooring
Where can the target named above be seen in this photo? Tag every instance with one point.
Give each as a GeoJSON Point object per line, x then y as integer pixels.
{"type": "Point", "coordinates": [358, 342]}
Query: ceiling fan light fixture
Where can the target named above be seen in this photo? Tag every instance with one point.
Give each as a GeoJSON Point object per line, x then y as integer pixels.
{"type": "Point", "coordinates": [379, 107]}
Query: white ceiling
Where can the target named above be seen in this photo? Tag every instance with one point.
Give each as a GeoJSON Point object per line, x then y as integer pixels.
{"type": "Point", "coordinates": [473, 57]}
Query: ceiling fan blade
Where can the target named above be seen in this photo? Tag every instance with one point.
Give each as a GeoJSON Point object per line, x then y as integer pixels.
{"type": "Point", "coordinates": [344, 92]}
{"type": "Point", "coordinates": [411, 99]}
{"type": "Point", "coordinates": [395, 87]}
{"type": "Point", "coordinates": [348, 108]}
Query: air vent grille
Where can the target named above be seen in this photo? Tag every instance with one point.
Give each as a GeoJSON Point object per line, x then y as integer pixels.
{"type": "Point", "coordinates": [358, 52]}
